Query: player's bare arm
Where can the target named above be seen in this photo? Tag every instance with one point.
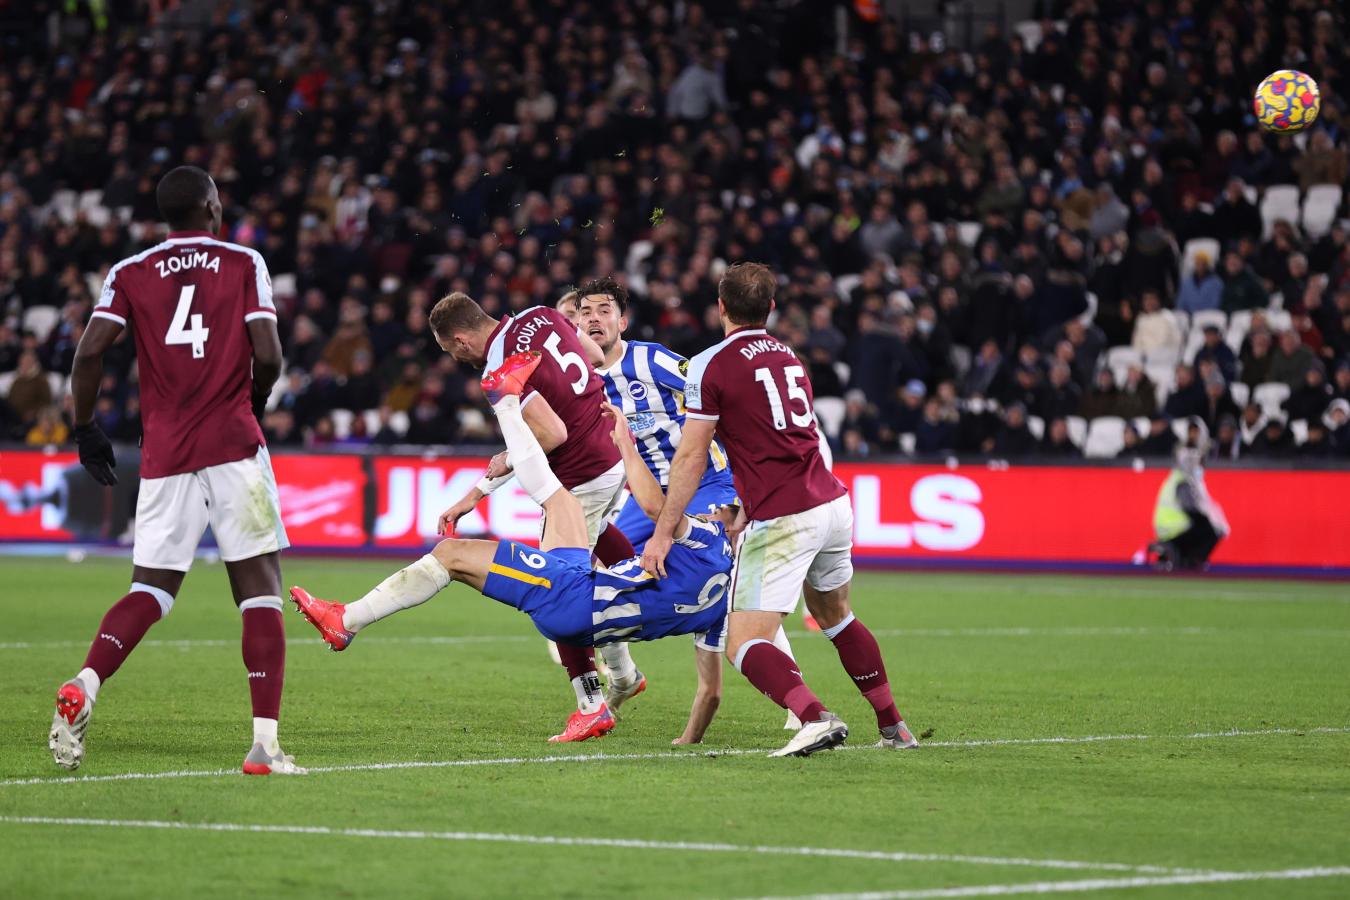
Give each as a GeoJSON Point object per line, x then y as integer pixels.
{"type": "Point", "coordinates": [686, 471]}
{"type": "Point", "coordinates": [644, 488]}
{"type": "Point", "coordinates": [96, 453]}
{"type": "Point", "coordinates": [707, 698]}
{"type": "Point", "coordinates": [262, 334]}
{"type": "Point", "coordinates": [549, 430]}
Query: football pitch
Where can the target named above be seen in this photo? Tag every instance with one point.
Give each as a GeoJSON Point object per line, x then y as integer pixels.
{"type": "Point", "coordinates": [1109, 737]}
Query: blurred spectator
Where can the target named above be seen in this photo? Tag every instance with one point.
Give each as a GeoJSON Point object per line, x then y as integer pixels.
{"type": "Point", "coordinates": [936, 432]}
{"type": "Point", "coordinates": [1291, 360]}
{"type": "Point", "coordinates": [1157, 332]}
{"type": "Point", "coordinates": [30, 392]}
{"type": "Point", "coordinates": [1202, 289]}
{"type": "Point", "coordinates": [49, 430]}
{"type": "Point", "coordinates": [1059, 397]}
{"type": "Point", "coordinates": [1241, 288]}
{"type": "Point", "coordinates": [1310, 400]}
{"type": "Point", "coordinates": [1251, 423]}
{"type": "Point", "coordinates": [1274, 442]}
{"type": "Point", "coordinates": [1056, 443]}
{"type": "Point", "coordinates": [1132, 443]}
{"type": "Point", "coordinates": [1218, 402]}
{"type": "Point", "coordinates": [1187, 398]}
{"type": "Point", "coordinates": [1227, 443]}
{"type": "Point", "coordinates": [1215, 350]}
{"type": "Point", "coordinates": [1337, 421]}
{"type": "Point", "coordinates": [1160, 440]}
{"type": "Point", "coordinates": [1322, 163]}
{"type": "Point", "coordinates": [1103, 399]}
{"type": "Point", "coordinates": [1256, 358]}
{"type": "Point", "coordinates": [909, 413]}
{"type": "Point", "coordinates": [1014, 440]}
{"type": "Point", "coordinates": [1138, 395]}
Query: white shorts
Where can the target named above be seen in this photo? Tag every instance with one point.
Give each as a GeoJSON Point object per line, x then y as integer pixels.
{"type": "Point", "coordinates": [237, 499]}
{"type": "Point", "coordinates": [600, 500]}
{"type": "Point", "coordinates": [775, 557]}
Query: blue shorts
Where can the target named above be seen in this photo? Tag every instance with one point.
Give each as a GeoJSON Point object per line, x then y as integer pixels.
{"type": "Point", "coordinates": [555, 588]}
{"type": "Point", "coordinates": [713, 494]}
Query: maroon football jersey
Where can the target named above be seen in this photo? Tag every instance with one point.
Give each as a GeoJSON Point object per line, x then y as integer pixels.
{"type": "Point", "coordinates": [565, 379]}
{"type": "Point", "coordinates": [757, 391]}
{"type": "Point", "coordinates": [186, 302]}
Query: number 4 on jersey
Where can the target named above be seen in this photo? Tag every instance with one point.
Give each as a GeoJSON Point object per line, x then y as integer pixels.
{"type": "Point", "coordinates": [197, 335]}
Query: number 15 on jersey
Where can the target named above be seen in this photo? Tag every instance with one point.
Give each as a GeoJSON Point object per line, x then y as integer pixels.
{"type": "Point", "coordinates": [197, 334]}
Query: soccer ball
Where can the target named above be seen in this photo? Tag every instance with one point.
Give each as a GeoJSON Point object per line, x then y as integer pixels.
{"type": "Point", "coordinates": [1287, 101]}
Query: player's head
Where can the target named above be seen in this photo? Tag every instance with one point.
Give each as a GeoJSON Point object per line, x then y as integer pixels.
{"type": "Point", "coordinates": [462, 328]}
{"type": "Point", "coordinates": [745, 295]}
{"type": "Point", "coordinates": [567, 305]}
{"type": "Point", "coordinates": [602, 311]}
{"type": "Point", "coordinates": [188, 200]}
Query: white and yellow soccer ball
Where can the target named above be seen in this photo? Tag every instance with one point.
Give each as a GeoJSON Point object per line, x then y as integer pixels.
{"type": "Point", "coordinates": [1287, 101]}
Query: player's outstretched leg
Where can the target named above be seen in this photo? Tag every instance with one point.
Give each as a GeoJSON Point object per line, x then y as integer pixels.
{"type": "Point", "coordinates": [121, 630]}
{"type": "Point", "coordinates": [625, 681]}
{"type": "Point", "coordinates": [776, 676]}
{"type": "Point", "coordinates": [861, 658]}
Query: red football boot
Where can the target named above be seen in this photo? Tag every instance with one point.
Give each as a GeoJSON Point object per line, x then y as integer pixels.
{"type": "Point", "coordinates": [325, 616]}
{"type": "Point", "coordinates": [509, 378]}
{"type": "Point", "coordinates": [583, 726]}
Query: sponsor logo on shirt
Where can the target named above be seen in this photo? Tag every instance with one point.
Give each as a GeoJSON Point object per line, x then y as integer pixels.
{"type": "Point", "coordinates": [641, 423]}
{"type": "Point", "coordinates": [693, 394]}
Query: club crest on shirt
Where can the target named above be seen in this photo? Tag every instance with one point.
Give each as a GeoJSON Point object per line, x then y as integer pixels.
{"type": "Point", "coordinates": [637, 390]}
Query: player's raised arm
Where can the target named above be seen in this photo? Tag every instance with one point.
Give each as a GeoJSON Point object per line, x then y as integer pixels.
{"type": "Point", "coordinates": [644, 488]}
{"type": "Point", "coordinates": [96, 453]}
{"type": "Point", "coordinates": [686, 473]}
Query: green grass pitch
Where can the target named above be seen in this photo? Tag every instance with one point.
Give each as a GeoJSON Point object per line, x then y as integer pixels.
{"type": "Point", "coordinates": [1222, 709]}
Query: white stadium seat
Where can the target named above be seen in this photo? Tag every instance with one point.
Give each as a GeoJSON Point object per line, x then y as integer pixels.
{"type": "Point", "coordinates": [1119, 359]}
{"type": "Point", "coordinates": [1238, 325]}
{"type": "Point", "coordinates": [1199, 245]}
{"type": "Point", "coordinates": [1209, 317]}
{"type": "Point", "coordinates": [831, 412]}
{"type": "Point", "coordinates": [342, 422]}
{"type": "Point", "coordinates": [1105, 437]}
{"type": "Point", "coordinates": [1141, 424]}
{"type": "Point", "coordinates": [908, 443]}
{"type": "Point", "coordinates": [57, 382]}
{"type": "Point", "coordinates": [1241, 393]}
{"type": "Point", "coordinates": [372, 417]}
{"type": "Point", "coordinates": [1036, 425]}
{"type": "Point", "coordinates": [1279, 202]}
{"type": "Point", "coordinates": [1179, 428]}
{"type": "Point", "coordinates": [1279, 320]}
{"type": "Point", "coordinates": [1089, 315]}
{"type": "Point", "coordinates": [1319, 209]}
{"type": "Point", "coordinates": [1078, 427]}
{"type": "Point", "coordinates": [1299, 427]}
{"type": "Point", "coordinates": [1164, 378]}
{"type": "Point", "coordinates": [1271, 396]}
{"type": "Point", "coordinates": [399, 422]}
{"type": "Point", "coordinates": [6, 382]}
{"type": "Point", "coordinates": [41, 320]}
{"type": "Point", "coordinates": [969, 232]}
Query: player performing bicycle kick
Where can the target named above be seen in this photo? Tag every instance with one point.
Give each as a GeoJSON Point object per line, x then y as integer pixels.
{"type": "Point", "coordinates": [567, 600]}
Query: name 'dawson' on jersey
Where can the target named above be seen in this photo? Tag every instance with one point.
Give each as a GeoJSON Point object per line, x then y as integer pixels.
{"type": "Point", "coordinates": [766, 345]}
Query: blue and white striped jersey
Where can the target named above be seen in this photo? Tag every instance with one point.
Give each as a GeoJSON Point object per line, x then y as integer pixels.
{"type": "Point", "coordinates": [647, 383]}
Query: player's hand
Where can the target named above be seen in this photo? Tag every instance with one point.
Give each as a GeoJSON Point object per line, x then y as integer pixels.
{"type": "Point", "coordinates": [498, 466]}
{"type": "Point", "coordinates": [449, 520]}
{"type": "Point", "coordinates": [619, 432]}
{"type": "Point", "coordinates": [259, 407]}
{"type": "Point", "coordinates": [654, 556]}
{"type": "Point", "coordinates": [96, 453]}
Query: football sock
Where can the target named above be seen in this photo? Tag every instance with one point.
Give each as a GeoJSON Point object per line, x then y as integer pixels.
{"type": "Point", "coordinates": [89, 678]}
{"type": "Point", "coordinates": [121, 630]}
{"type": "Point", "coordinates": [776, 676]}
{"type": "Point", "coordinates": [264, 646]}
{"type": "Point", "coordinates": [405, 589]}
{"type": "Point", "coordinates": [613, 547]}
{"type": "Point", "coordinates": [861, 656]}
{"type": "Point", "coordinates": [265, 733]}
{"type": "Point", "coordinates": [780, 641]}
{"type": "Point", "coordinates": [527, 457]}
{"type": "Point", "coordinates": [589, 698]}
{"type": "Point", "coordinates": [576, 660]}
{"type": "Point", "coordinates": [620, 663]}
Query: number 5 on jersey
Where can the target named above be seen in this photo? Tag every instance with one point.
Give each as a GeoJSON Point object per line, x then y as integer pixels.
{"type": "Point", "coordinates": [793, 375]}
{"type": "Point", "coordinates": [196, 335]}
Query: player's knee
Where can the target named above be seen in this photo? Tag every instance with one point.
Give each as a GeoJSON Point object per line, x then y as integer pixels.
{"type": "Point", "coordinates": [449, 553]}
{"type": "Point", "coordinates": [162, 597]}
{"type": "Point", "coordinates": [828, 608]}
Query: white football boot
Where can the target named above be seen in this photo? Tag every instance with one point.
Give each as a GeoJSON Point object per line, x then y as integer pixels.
{"type": "Point", "coordinates": [822, 734]}
{"type": "Point", "coordinates": [69, 723]}
{"type": "Point", "coordinates": [260, 762]}
{"type": "Point", "coordinates": [898, 737]}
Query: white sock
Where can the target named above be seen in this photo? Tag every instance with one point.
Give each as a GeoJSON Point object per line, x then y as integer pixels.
{"type": "Point", "coordinates": [834, 630]}
{"type": "Point", "coordinates": [781, 642]}
{"type": "Point", "coordinates": [89, 678]}
{"type": "Point", "coordinates": [265, 733]}
{"type": "Point", "coordinates": [527, 457]}
{"type": "Point", "coordinates": [589, 697]}
{"type": "Point", "coordinates": [404, 589]}
{"type": "Point", "coordinates": [620, 663]}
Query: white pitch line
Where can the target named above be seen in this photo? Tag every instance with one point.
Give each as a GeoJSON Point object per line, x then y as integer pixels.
{"type": "Point", "coordinates": [624, 843]}
{"type": "Point", "coordinates": [1084, 886]}
{"type": "Point", "coordinates": [1010, 631]}
{"type": "Point", "coordinates": [670, 754]}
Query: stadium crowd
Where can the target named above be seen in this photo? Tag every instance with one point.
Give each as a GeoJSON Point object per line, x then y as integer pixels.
{"type": "Point", "coordinates": [992, 251]}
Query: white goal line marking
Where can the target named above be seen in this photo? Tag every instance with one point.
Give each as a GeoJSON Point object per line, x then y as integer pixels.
{"type": "Point", "coordinates": [1009, 631]}
{"type": "Point", "coordinates": [1085, 885]}
{"type": "Point", "coordinates": [669, 754]}
{"type": "Point", "coordinates": [571, 841]}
